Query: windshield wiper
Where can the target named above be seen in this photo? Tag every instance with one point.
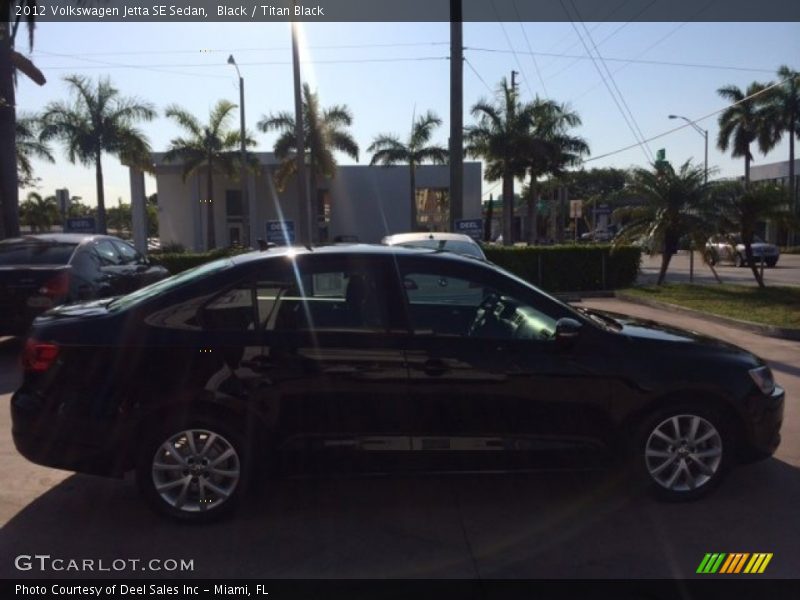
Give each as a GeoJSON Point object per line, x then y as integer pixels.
{"type": "Point", "coordinates": [602, 319]}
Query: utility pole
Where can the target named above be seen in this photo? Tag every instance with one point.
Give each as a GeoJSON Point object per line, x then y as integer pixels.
{"type": "Point", "coordinates": [304, 213]}
{"type": "Point", "coordinates": [508, 186]}
{"type": "Point", "coordinates": [456, 114]}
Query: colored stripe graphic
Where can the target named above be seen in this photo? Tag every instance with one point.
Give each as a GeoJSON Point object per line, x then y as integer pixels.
{"type": "Point", "coordinates": [711, 562]}
{"type": "Point", "coordinates": [722, 563]}
{"type": "Point", "coordinates": [741, 562]}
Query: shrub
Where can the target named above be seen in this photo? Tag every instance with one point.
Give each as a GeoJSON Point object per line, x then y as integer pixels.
{"type": "Point", "coordinates": [175, 262]}
{"type": "Point", "coordinates": [570, 268]}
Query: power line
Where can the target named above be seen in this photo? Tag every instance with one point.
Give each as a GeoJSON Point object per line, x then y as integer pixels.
{"type": "Point", "coordinates": [636, 136]}
{"type": "Point", "coordinates": [631, 60]}
{"type": "Point", "coordinates": [246, 64]}
{"type": "Point", "coordinates": [113, 65]}
{"type": "Point", "coordinates": [478, 75]}
{"type": "Point", "coordinates": [690, 123]}
{"type": "Point", "coordinates": [613, 82]}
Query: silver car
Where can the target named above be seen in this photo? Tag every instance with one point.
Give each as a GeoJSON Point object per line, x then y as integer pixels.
{"type": "Point", "coordinates": [451, 242]}
{"type": "Point", "coordinates": [729, 248]}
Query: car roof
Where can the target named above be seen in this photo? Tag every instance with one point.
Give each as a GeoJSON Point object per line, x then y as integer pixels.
{"type": "Point", "coordinates": [59, 238]}
{"type": "Point", "coordinates": [351, 250]}
{"type": "Point", "coordinates": [402, 238]}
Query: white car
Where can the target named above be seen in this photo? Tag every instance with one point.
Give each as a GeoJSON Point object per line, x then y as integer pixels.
{"type": "Point", "coordinates": [729, 248]}
{"type": "Point", "coordinates": [451, 242]}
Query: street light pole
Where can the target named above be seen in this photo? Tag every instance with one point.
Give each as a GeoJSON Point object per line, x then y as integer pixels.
{"type": "Point", "coordinates": [704, 133]}
{"type": "Point", "coordinates": [243, 149]}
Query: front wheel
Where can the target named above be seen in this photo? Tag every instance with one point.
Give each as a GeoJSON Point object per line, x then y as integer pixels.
{"type": "Point", "coordinates": [683, 454]}
{"type": "Point", "coordinates": [192, 471]}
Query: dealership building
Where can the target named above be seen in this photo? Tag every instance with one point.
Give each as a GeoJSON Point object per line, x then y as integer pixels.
{"type": "Point", "coordinates": [361, 202]}
{"type": "Point", "coordinates": [778, 173]}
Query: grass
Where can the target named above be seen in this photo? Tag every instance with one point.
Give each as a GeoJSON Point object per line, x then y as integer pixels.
{"type": "Point", "coordinates": [778, 306]}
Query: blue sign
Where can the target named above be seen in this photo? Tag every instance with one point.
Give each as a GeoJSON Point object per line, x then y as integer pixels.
{"type": "Point", "coordinates": [471, 227]}
{"type": "Point", "coordinates": [280, 232]}
{"type": "Point", "coordinates": [80, 225]}
{"type": "Point", "coordinates": [602, 209]}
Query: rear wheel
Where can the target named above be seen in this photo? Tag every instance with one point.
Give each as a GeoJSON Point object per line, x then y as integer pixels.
{"type": "Point", "coordinates": [683, 453]}
{"type": "Point", "coordinates": [194, 470]}
{"type": "Point", "coordinates": [771, 262]}
{"type": "Point", "coordinates": [739, 260]}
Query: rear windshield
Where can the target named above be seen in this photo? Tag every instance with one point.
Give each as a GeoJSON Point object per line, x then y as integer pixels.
{"type": "Point", "coordinates": [35, 253]}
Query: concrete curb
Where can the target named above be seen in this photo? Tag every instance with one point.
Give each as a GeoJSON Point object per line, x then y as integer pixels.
{"type": "Point", "coordinates": [784, 333]}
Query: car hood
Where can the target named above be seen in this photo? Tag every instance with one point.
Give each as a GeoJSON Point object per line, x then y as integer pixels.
{"type": "Point", "coordinates": [644, 329]}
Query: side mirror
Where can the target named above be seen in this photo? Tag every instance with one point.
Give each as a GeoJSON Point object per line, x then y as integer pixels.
{"type": "Point", "coordinates": [567, 330]}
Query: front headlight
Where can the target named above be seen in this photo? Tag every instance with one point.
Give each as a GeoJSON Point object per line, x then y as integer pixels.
{"type": "Point", "coordinates": [762, 377]}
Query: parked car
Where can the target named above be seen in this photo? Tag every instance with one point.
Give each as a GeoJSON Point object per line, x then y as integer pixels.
{"type": "Point", "coordinates": [451, 242]}
{"type": "Point", "coordinates": [38, 272]}
{"type": "Point", "coordinates": [367, 357]}
{"type": "Point", "coordinates": [729, 248]}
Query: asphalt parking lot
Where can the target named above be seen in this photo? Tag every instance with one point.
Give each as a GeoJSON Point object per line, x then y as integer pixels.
{"type": "Point", "coordinates": [786, 272]}
{"type": "Point", "coordinates": [572, 525]}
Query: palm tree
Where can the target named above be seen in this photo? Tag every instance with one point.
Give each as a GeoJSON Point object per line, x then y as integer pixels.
{"type": "Point", "coordinates": [388, 149]}
{"type": "Point", "coordinates": [28, 147]}
{"type": "Point", "coordinates": [783, 113]}
{"type": "Point", "coordinates": [501, 137]}
{"type": "Point", "coordinates": [40, 214]}
{"type": "Point", "coordinates": [744, 123]}
{"type": "Point", "coordinates": [324, 133]}
{"type": "Point", "coordinates": [741, 208]}
{"type": "Point", "coordinates": [550, 148]}
{"type": "Point", "coordinates": [212, 147]}
{"type": "Point", "coordinates": [98, 120]}
{"type": "Point", "coordinates": [672, 204]}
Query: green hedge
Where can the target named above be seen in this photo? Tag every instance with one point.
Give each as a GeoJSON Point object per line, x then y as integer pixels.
{"type": "Point", "coordinates": [175, 262]}
{"type": "Point", "coordinates": [790, 250]}
{"type": "Point", "coordinates": [570, 268]}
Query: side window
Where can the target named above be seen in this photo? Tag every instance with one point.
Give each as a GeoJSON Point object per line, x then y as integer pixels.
{"type": "Point", "coordinates": [468, 307]}
{"type": "Point", "coordinates": [233, 310]}
{"type": "Point", "coordinates": [107, 253]}
{"type": "Point", "coordinates": [326, 299]}
{"type": "Point", "coordinates": [128, 253]}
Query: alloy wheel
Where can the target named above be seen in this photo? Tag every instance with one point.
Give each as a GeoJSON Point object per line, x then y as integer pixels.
{"type": "Point", "coordinates": [683, 453]}
{"type": "Point", "coordinates": [196, 470]}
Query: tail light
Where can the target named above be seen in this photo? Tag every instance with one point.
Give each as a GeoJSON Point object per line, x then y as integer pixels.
{"type": "Point", "coordinates": [38, 357]}
{"type": "Point", "coordinates": [56, 286]}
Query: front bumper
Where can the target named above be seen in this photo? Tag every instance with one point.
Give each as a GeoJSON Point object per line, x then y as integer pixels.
{"type": "Point", "coordinates": [765, 418]}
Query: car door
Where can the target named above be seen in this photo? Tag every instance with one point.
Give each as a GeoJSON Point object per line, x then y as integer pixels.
{"type": "Point", "coordinates": [487, 380]}
{"type": "Point", "coordinates": [137, 270]}
{"type": "Point", "coordinates": [333, 364]}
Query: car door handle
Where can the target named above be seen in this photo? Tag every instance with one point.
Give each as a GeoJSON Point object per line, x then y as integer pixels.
{"type": "Point", "coordinates": [435, 367]}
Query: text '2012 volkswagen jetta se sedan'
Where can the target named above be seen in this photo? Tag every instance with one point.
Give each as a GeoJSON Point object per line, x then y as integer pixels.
{"type": "Point", "coordinates": [378, 358]}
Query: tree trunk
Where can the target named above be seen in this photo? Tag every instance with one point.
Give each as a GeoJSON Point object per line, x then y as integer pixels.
{"type": "Point", "coordinates": [747, 168]}
{"type": "Point", "coordinates": [794, 205]}
{"type": "Point", "coordinates": [211, 234]}
{"type": "Point", "coordinates": [532, 213]}
{"type": "Point", "coordinates": [670, 243]}
{"type": "Point", "coordinates": [487, 226]}
{"type": "Point", "coordinates": [9, 194]}
{"type": "Point", "coordinates": [748, 252]}
{"type": "Point", "coordinates": [315, 212]}
{"type": "Point", "coordinates": [508, 209]}
{"type": "Point", "coordinates": [101, 198]}
{"type": "Point", "coordinates": [413, 209]}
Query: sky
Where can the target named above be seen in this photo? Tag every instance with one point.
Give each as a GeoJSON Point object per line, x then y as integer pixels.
{"type": "Point", "coordinates": [388, 72]}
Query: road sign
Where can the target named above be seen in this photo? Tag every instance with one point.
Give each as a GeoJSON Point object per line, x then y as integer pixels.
{"type": "Point", "coordinates": [80, 225]}
{"type": "Point", "coordinates": [471, 227]}
{"type": "Point", "coordinates": [280, 232]}
{"type": "Point", "coordinates": [575, 209]}
{"type": "Point", "coordinates": [602, 209]}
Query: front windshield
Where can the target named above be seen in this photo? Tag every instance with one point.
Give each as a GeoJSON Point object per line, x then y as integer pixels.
{"type": "Point", "coordinates": [169, 283]}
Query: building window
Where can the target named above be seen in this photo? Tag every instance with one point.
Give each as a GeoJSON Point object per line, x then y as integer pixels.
{"type": "Point", "coordinates": [433, 209]}
{"type": "Point", "coordinates": [233, 203]}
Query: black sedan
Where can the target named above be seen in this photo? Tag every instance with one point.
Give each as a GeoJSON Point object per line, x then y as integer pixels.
{"type": "Point", "coordinates": [38, 272]}
{"type": "Point", "coordinates": [367, 357]}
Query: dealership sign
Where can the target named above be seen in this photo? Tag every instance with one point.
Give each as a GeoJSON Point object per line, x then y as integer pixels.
{"type": "Point", "coordinates": [471, 227]}
{"type": "Point", "coordinates": [80, 225]}
{"type": "Point", "coordinates": [280, 232]}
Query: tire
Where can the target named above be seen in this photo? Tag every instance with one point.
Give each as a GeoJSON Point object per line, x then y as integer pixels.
{"type": "Point", "coordinates": [772, 262]}
{"type": "Point", "coordinates": [739, 260]}
{"type": "Point", "coordinates": [684, 468]}
{"type": "Point", "coordinates": [194, 469]}
{"type": "Point", "coordinates": [711, 258]}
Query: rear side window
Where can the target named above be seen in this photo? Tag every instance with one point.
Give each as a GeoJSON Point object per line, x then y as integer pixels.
{"type": "Point", "coordinates": [35, 253]}
{"type": "Point", "coordinates": [127, 252]}
{"type": "Point", "coordinates": [107, 252]}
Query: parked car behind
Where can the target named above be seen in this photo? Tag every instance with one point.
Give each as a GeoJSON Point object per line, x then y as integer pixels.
{"type": "Point", "coordinates": [38, 272]}
{"type": "Point", "coordinates": [729, 248]}
{"type": "Point", "coordinates": [450, 242]}
{"type": "Point", "coordinates": [378, 359]}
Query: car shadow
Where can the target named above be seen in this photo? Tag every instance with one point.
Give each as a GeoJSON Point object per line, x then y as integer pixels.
{"type": "Point", "coordinates": [785, 368]}
{"type": "Point", "coordinates": [542, 525]}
